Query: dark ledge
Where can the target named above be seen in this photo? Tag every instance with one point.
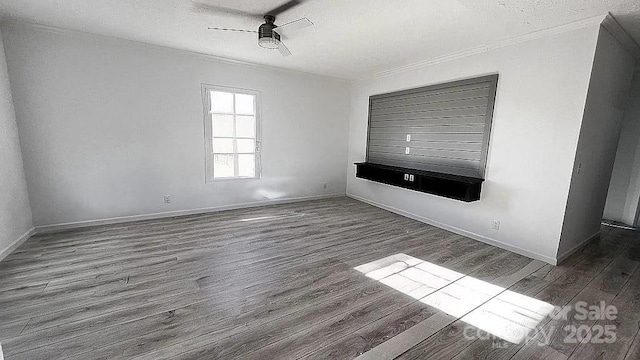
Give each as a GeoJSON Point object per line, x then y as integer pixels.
{"type": "Point", "coordinates": [458, 187]}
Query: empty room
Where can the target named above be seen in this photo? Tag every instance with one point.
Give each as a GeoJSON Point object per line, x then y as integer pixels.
{"type": "Point", "coordinates": [319, 179]}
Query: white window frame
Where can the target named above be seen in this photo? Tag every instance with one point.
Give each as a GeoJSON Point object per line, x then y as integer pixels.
{"type": "Point", "coordinates": [208, 131]}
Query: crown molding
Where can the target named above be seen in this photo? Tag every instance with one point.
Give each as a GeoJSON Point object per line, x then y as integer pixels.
{"type": "Point", "coordinates": [592, 21]}
{"type": "Point", "coordinates": [21, 24]}
{"type": "Point", "coordinates": [607, 21]}
{"type": "Point", "coordinates": [618, 32]}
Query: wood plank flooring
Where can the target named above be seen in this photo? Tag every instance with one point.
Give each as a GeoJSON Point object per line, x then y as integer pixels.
{"type": "Point", "coordinates": [278, 282]}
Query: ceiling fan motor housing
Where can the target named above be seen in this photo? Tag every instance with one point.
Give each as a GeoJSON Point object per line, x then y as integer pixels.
{"type": "Point", "coordinates": [267, 38]}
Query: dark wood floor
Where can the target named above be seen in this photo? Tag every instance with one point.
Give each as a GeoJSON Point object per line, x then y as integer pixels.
{"type": "Point", "coordinates": [279, 282]}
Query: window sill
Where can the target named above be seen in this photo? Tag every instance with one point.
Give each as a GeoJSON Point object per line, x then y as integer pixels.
{"type": "Point", "coordinates": [234, 179]}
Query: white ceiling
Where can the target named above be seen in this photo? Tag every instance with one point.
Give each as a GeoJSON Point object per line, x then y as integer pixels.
{"type": "Point", "coordinates": [350, 39]}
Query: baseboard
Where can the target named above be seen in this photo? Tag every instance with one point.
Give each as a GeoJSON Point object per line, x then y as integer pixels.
{"type": "Point", "coordinates": [571, 251]}
{"type": "Point", "coordinates": [14, 245]}
{"type": "Point", "coordinates": [456, 230]}
{"type": "Point", "coordinates": [124, 219]}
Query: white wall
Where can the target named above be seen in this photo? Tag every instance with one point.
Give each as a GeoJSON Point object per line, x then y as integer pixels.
{"type": "Point", "coordinates": [107, 127]}
{"type": "Point", "coordinates": [15, 213]}
{"type": "Point", "coordinates": [539, 106]}
{"type": "Point", "coordinates": [624, 189]}
{"type": "Point", "coordinates": [606, 101]}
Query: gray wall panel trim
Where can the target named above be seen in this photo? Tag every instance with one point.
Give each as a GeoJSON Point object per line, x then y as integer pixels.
{"type": "Point", "coordinates": [432, 99]}
{"type": "Point", "coordinates": [435, 160]}
{"type": "Point", "coordinates": [448, 128]}
{"type": "Point", "coordinates": [439, 154]}
{"type": "Point", "coordinates": [461, 163]}
{"type": "Point", "coordinates": [432, 138]}
{"type": "Point", "coordinates": [488, 125]}
{"type": "Point", "coordinates": [425, 95]}
{"type": "Point", "coordinates": [464, 111]}
{"type": "Point", "coordinates": [443, 115]}
{"type": "Point", "coordinates": [480, 119]}
{"type": "Point", "coordinates": [444, 104]}
{"type": "Point", "coordinates": [459, 83]}
{"type": "Point", "coordinates": [447, 133]}
{"type": "Point", "coordinates": [415, 150]}
{"type": "Point", "coordinates": [468, 146]}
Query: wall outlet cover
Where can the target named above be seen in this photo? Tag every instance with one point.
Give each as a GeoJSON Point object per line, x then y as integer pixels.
{"type": "Point", "coordinates": [495, 225]}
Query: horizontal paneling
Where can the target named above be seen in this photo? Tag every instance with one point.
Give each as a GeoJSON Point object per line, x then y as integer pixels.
{"type": "Point", "coordinates": [422, 121]}
{"type": "Point", "coordinates": [448, 126]}
{"type": "Point", "coordinates": [455, 93]}
{"type": "Point", "coordinates": [469, 146]}
{"type": "Point", "coordinates": [424, 151]}
{"type": "Point", "coordinates": [441, 105]}
{"type": "Point", "coordinates": [434, 138]}
{"type": "Point", "coordinates": [413, 158]}
{"type": "Point", "coordinates": [429, 129]}
{"type": "Point", "coordinates": [459, 112]}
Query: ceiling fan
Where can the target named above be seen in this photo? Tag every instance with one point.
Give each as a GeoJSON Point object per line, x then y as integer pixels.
{"type": "Point", "coordinates": [270, 35]}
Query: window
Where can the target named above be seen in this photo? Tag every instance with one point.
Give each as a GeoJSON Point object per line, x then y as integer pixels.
{"type": "Point", "coordinates": [441, 128]}
{"type": "Point", "coordinates": [232, 119]}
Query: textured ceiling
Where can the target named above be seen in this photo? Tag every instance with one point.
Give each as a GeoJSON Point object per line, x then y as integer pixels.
{"type": "Point", "coordinates": [350, 39]}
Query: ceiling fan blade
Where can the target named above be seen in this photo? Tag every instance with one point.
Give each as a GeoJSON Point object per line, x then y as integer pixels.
{"type": "Point", "coordinates": [284, 7]}
{"type": "Point", "coordinates": [213, 9]}
{"type": "Point", "coordinates": [235, 30]}
{"type": "Point", "coordinates": [284, 51]}
{"type": "Point", "coordinates": [295, 25]}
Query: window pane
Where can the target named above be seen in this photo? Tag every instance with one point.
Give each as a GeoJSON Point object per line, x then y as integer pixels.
{"type": "Point", "coordinates": [246, 146]}
{"type": "Point", "coordinates": [223, 166]}
{"type": "Point", "coordinates": [222, 125]}
{"type": "Point", "coordinates": [246, 126]}
{"type": "Point", "coordinates": [222, 145]}
{"type": "Point", "coordinates": [221, 102]}
{"type": "Point", "coordinates": [246, 165]}
{"type": "Point", "coordinates": [245, 104]}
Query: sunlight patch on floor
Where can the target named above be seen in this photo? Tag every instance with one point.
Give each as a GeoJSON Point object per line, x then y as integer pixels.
{"type": "Point", "coordinates": [503, 313]}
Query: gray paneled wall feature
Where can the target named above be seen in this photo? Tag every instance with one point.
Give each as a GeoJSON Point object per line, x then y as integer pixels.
{"type": "Point", "coordinates": [442, 128]}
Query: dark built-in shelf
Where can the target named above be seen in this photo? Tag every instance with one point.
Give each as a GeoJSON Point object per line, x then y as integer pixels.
{"type": "Point", "coordinates": [458, 187]}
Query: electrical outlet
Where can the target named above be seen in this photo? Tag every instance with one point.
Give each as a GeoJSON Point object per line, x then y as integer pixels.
{"type": "Point", "coordinates": [325, 186]}
{"type": "Point", "coordinates": [495, 225]}
{"type": "Point", "coordinates": [167, 199]}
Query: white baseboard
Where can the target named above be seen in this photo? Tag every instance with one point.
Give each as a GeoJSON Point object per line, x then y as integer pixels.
{"type": "Point", "coordinates": [124, 219]}
{"type": "Point", "coordinates": [570, 252]}
{"type": "Point", "coordinates": [14, 245]}
{"type": "Point", "coordinates": [456, 230]}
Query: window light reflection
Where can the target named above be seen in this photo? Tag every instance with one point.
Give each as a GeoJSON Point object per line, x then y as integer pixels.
{"type": "Point", "coordinates": [503, 313]}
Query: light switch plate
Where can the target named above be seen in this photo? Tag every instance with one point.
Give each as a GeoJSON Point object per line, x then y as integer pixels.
{"type": "Point", "coordinates": [407, 150]}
